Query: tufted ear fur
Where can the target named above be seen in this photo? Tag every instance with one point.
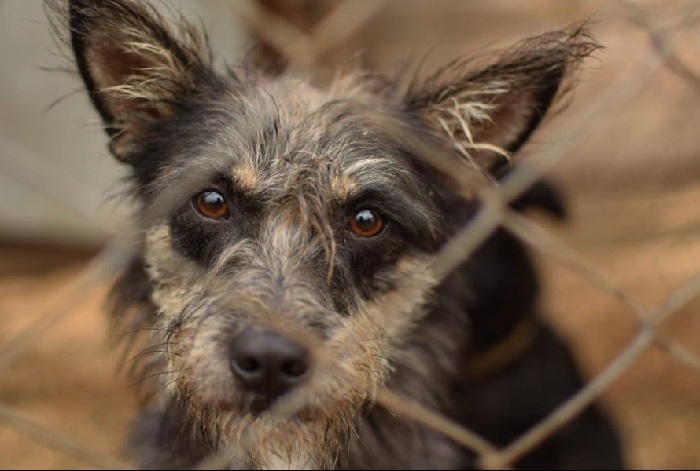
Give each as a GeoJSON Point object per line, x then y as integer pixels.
{"type": "Point", "coordinates": [133, 66]}
{"type": "Point", "coordinates": [489, 113]}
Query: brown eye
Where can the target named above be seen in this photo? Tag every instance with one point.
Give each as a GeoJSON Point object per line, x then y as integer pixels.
{"type": "Point", "coordinates": [367, 223]}
{"type": "Point", "coordinates": [211, 204]}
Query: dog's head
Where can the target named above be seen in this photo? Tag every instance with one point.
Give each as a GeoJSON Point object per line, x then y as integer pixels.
{"type": "Point", "coordinates": [289, 227]}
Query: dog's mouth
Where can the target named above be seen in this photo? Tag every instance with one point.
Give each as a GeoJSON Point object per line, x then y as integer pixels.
{"type": "Point", "coordinates": [281, 408]}
{"type": "Point", "coordinates": [259, 405]}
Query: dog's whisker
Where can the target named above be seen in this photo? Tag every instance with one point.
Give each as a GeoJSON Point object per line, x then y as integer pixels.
{"type": "Point", "coordinates": [131, 333]}
{"type": "Point", "coordinates": [379, 339]}
{"type": "Point", "coordinates": [150, 395]}
{"type": "Point", "coordinates": [152, 375]}
{"type": "Point", "coordinates": [381, 357]}
{"type": "Point", "coordinates": [140, 355]}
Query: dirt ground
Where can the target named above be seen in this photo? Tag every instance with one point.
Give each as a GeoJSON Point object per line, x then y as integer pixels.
{"type": "Point", "coordinates": [633, 189]}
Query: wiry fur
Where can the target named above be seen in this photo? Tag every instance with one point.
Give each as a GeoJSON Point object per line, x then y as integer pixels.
{"type": "Point", "coordinates": [476, 99]}
{"type": "Point", "coordinates": [296, 161]}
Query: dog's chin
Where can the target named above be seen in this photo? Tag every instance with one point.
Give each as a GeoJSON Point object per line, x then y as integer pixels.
{"type": "Point", "coordinates": [260, 408]}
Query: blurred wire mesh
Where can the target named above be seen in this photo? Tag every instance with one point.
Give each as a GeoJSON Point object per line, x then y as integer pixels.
{"type": "Point", "coordinates": [621, 277]}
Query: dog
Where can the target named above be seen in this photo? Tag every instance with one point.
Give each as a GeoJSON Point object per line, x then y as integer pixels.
{"type": "Point", "coordinates": [288, 234]}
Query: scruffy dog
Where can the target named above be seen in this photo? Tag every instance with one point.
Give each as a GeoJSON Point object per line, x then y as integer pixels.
{"type": "Point", "coordinates": [289, 230]}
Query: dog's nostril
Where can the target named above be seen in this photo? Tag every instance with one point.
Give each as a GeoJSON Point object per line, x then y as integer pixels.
{"type": "Point", "coordinates": [294, 369]}
{"type": "Point", "coordinates": [268, 364]}
{"type": "Point", "coordinates": [246, 365]}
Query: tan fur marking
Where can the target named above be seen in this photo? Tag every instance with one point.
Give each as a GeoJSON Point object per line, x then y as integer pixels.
{"type": "Point", "coordinates": [246, 175]}
{"type": "Point", "coordinates": [343, 186]}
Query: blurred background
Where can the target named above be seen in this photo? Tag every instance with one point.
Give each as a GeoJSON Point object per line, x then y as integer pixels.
{"type": "Point", "coordinates": [631, 178]}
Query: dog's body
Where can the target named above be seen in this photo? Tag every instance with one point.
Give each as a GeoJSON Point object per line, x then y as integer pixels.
{"type": "Point", "coordinates": [289, 235]}
{"type": "Point", "coordinates": [517, 368]}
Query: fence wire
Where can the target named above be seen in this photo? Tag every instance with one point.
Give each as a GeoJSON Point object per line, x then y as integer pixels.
{"type": "Point", "coordinates": [304, 49]}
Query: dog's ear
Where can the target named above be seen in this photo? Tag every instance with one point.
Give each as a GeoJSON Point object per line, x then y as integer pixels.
{"type": "Point", "coordinates": [133, 65]}
{"type": "Point", "coordinates": [490, 112]}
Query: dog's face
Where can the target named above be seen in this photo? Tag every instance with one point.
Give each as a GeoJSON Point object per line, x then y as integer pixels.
{"type": "Point", "coordinates": [303, 231]}
{"type": "Point", "coordinates": [288, 233]}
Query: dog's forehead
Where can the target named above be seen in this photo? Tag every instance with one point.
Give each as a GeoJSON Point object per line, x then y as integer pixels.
{"type": "Point", "coordinates": [289, 133]}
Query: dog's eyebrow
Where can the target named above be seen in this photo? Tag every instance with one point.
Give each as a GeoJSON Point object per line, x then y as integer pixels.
{"type": "Point", "coordinates": [245, 176]}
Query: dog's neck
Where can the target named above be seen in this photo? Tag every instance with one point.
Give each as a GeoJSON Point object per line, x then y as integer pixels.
{"type": "Point", "coordinates": [504, 293]}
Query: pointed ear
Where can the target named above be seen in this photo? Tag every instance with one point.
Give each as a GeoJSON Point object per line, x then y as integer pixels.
{"type": "Point", "coordinates": [488, 114]}
{"type": "Point", "coordinates": [132, 64]}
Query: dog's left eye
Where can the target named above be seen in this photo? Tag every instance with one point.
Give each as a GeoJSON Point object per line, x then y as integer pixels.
{"type": "Point", "coordinates": [211, 204]}
{"type": "Point", "coordinates": [367, 223]}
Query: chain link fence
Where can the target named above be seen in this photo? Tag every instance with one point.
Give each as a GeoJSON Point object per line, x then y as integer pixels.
{"type": "Point", "coordinates": [580, 281]}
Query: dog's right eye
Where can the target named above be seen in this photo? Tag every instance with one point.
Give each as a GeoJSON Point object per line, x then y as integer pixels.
{"type": "Point", "coordinates": [211, 204]}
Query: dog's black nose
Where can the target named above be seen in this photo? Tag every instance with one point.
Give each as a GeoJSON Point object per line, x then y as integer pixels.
{"type": "Point", "coordinates": [268, 364]}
